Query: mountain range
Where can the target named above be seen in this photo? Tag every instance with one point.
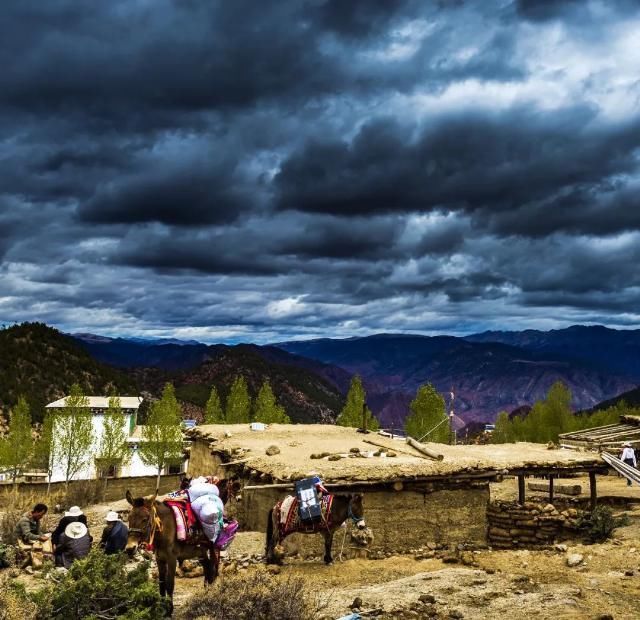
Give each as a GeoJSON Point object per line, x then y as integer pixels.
{"type": "Point", "coordinates": [487, 372]}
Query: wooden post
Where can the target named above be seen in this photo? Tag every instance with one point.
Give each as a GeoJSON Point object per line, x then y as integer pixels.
{"type": "Point", "coordinates": [593, 489]}
{"type": "Point", "coordinates": [551, 477]}
{"type": "Point", "coordinates": [521, 488]}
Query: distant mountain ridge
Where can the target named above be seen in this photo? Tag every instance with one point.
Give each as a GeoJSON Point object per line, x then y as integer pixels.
{"type": "Point", "coordinates": [488, 372]}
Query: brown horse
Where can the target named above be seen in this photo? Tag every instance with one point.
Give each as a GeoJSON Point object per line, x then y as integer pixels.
{"type": "Point", "coordinates": [343, 507]}
{"type": "Point", "coordinates": [151, 523]}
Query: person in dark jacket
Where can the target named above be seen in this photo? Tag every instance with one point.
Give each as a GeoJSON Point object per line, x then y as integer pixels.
{"type": "Point", "coordinates": [114, 535]}
{"type": "Point", "coordinates": [75, 544]}
{"type": "Point", "coordinates": [73, 514]}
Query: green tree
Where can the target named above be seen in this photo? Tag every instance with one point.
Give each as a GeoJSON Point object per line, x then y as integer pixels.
{"type": "Point", "coordinates": [17, 447]}
{"type": "Point", "coordinates": [266, 409]}
{"type": "Point", "coordinates": [238, 408]}
{"type": "Point", "coordinates": [163, 443]}
{"type": "Point", "coordinates": [213, 409]}
{"type": "Point", "coordinates": [43, 457]}
{"type": "Point", "coordinates": [503, 432]}
{"type": "Point", "coordinates": [428, 418]}
{"type": "Point", "coordinates": [113, 449]}
{"type": "Point", "coordinates": [73, 434]}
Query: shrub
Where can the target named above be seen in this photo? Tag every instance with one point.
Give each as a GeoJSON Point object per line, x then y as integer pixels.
{"type": "Point", "coordinates": [101, 587]}
{"type": "Point", "coordinates": [14, 602]}
{"type": "Point", "coordinates": [257, 596]}
{"type": "Point", "coordinates": [600, 523]}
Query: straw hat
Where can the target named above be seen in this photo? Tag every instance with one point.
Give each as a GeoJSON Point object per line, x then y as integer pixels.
{"type": "Point", "coordinates": [75, 530]}
{"type": "Point", "coordinates": [627, 444]}
{"type": "Point", "coordinates": [112, 515]}
{"type": "Point", "coordinates": [74, 511]}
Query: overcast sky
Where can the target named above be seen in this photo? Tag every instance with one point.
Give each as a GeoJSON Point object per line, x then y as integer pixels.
{"type": "Point", "coordinates": [258, 171]}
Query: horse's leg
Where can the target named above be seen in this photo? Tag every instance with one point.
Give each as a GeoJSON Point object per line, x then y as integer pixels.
{"type": "Point", "coordinates": [162, 575]}
{"type": "Point", "coordinates": [328, 543]}
{"type": "Point", "coordinates": [171, 578]}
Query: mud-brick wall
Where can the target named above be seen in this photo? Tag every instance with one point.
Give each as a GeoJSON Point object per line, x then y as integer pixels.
{"type": "Point", "coordinates": [202, 462]}
{"type": "Point", "coordinates": [400, 520]}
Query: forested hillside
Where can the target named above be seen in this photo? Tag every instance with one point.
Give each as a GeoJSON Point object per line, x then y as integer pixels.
{"type": "Point", "coordinates": [41, 363]}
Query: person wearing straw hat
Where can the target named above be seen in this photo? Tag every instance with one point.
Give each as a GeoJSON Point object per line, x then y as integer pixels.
{"type": "Point", "coordinates": [73, 515]}
{"type": "Point", "coordinates": [628, 456]}
{"type": "Point", "coordinates": [75, 544]}
{"type": "Point", "coordinates": [114, 535]}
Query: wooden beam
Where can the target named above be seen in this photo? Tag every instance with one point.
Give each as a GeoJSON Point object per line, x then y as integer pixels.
{"type": "Point", "coordinates": [521, 495]}
{"type": "Point", "coordinates": [593, 489]}
{"type": "Point", "coordinates": [424, 450]}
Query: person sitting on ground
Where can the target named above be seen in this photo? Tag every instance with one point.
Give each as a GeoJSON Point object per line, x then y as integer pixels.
{"type": "Point", "coordinates": [73, 514]}
{"type": "Point", "coordinates": [28, 529]}
{"type": "Point", "coordinates": [114, 535]}
{"type": "Point", "coordinates": [75, 544]}
{"type": "Point", "coordinates": [628, 456]}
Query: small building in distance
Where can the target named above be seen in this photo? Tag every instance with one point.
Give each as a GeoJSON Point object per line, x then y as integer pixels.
{"type": "Point", "coordinates": [410, 498]}
{"type": "Point", "coordinates": [134, 466]}
{"type": "Point", "coordinates": [610, 437]}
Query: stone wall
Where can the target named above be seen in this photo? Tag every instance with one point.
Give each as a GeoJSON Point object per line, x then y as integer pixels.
{"type": "Point", "coordinates": [532, 525]}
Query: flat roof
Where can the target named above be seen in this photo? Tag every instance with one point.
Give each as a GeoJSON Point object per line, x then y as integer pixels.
{"type": "Point", "coordinates": [101, 402]}
{"type": "Point", "coordinates": [297, 442]}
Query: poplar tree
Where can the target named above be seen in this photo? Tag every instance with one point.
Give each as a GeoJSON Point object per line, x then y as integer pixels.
{"type": "Point", "coordinates": [355, 406]}
{"type": "Point", "coordinates": [267, 409]}
{"type": "Point", "coordinates": [17, 447]}
{"type": "Point", "coordinates": [113, 450]}
{"type": "Point", "coordinates": [73, 434]}
{"type": "Point", "coordinates": [163, 442]}
{"type": "Point", "coordinates": [428, 418]}
{"type": "Point", "coordinates": [238, 408]}
{"type": "Point", "coordinates": [503, 429]}
{"type": "Point", "coordinates": [213, 413]}
{"type": "Point", "coordinates": [43, 449]}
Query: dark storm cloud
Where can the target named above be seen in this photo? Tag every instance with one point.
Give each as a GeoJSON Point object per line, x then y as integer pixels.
{"type": "Point", "coordinates": [317, 167]}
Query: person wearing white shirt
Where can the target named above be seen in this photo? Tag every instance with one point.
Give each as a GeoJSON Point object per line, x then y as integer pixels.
{"type": "Point", "coordinates": [628, 456]}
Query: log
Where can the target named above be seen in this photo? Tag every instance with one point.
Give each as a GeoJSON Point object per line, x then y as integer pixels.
{"type": "Point", "coordinates": [559, 489]}
{"type": "Point", "coordinates": [424, 450]}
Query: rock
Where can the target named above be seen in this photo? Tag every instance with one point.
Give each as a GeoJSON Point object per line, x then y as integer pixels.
{"type": "Point", "coordinates": [427, 599]}
{"type": "Point", "coordinates": [274, 569]}
{"type": "Point", "coordinates": [604, 617]}
{"type": "Point", "coordinates": [357, 603]}
{"type": "Point", "coordinates": [450, 559]}
{"type": "Point", "coordinates": [334, 457]}
{"type": "Point", "coordinates": [354, 450]}
{"type": "Point", "coordinates": [455, 613]}
{"type": "Point", "coordinates": [629, 573]}
{"type": "Point", "coordinates": [575, 559]}
{"type": "Point", "coordinates": [272, 450]}
{"type": "Point", "coordinates": [391, 454]}
{"type": "Point", "coordinates": [561, 548]}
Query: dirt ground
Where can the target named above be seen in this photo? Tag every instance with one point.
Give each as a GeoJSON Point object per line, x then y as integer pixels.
{"type": "Point", "coordinates": [517, 584]}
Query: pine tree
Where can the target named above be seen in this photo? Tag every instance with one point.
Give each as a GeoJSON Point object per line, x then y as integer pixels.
{"type": "Point", "coordinates": [17, 447]}
{"type": "Point", "coordinates": [163, 443]}
{"type": "Point", "coordinates": [73, 434]}
{"type": "Point", "coordinates": [113, 450]}
{"type": "Point", "coordinates": [213, 409]}
{"type": "Point", "coordinates": [428, 418]}
{"type": "Point", "coordinates": [266, 409]}
{"type": "Point", "coordinates": [238, 408]}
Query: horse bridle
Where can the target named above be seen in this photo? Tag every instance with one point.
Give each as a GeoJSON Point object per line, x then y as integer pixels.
{"type": "Point", "coordinates": [357, 521]}
{"type": "Point", "coordinates": [154, 524]}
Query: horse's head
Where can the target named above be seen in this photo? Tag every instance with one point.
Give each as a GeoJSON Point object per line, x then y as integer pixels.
{"type": "Point", "coordinates": [140, 521]}
{"type": "Point", "coordinates": [356, 510]}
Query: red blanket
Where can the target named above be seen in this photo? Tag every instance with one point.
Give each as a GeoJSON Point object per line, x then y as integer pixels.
{"type": "Point", "coordinates": [186, 521]}
{"type": "Point", "coordinates": [292, 523]}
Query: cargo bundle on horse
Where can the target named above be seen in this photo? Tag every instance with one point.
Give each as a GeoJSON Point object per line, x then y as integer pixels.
{"type": "Point", "coordinates": [325, 516]}
{"type": "Point", "coordinates": [155, 525]}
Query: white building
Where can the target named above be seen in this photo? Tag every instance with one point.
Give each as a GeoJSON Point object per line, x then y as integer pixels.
{"type": "Point", "coordinates": [134, 466]}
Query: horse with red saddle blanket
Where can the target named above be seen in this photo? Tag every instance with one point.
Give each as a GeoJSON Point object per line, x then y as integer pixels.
{"type": "Point", "coordinates": [284, 519]}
